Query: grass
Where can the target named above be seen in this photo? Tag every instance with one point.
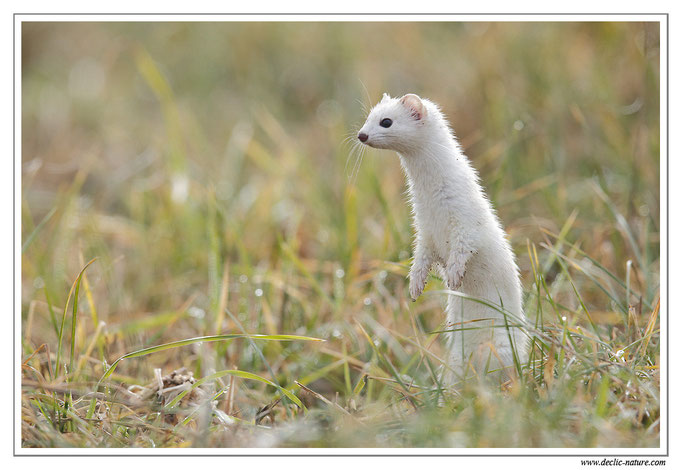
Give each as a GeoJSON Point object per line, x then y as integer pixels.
{"type": "Point", "coordinates": [202, 167]}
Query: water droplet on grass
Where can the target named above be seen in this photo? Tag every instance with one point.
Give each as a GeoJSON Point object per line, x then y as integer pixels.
{"type": "Point", "coordinates": [196, 312]}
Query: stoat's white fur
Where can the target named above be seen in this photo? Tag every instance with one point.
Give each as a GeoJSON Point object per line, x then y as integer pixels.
{"type": "Point", "coordinates": [458, 231]}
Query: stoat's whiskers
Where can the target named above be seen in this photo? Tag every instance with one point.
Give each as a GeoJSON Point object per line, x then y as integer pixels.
{"type": "Point", "coordinates": [350, 142]}
{"type": "Point", "coordinates": [369, 99]}
{"type": "Point", "coordinates": [365, 108]}
{"type": "Point", "coordinates": [358, 152]}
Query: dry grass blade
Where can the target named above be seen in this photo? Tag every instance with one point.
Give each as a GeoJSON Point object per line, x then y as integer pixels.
{"type": "Point", "coordinates": [323, 399]}
{"type": "Point", "coordinates": [649, 330]}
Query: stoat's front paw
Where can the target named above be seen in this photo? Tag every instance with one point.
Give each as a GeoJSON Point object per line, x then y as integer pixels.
{"type": "Point", "coordinates": [418, 275]}
{"type": "Point", "coordinates": [454, 276]}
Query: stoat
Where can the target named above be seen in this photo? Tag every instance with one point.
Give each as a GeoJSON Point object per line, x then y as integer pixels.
{"type": "Point", "coordinates": [458, 232]}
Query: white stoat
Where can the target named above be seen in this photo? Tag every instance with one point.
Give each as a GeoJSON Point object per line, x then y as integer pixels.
{"type": "Point", "coordinates": [458, 231]}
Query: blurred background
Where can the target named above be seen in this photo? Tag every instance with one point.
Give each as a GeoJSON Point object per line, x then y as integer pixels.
{"type": "Point", "coordinates": [207, 165]}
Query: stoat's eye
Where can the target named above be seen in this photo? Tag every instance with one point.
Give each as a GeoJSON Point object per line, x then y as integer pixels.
{"type": "Point", "coordinates": [386, 122]}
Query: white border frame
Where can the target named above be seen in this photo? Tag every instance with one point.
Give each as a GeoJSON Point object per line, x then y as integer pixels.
{"type": "Point", "coordinates": [599, 453]}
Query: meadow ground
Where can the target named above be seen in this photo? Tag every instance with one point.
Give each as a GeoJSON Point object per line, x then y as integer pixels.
{"type": "Point", "coordinates": [206, 169]}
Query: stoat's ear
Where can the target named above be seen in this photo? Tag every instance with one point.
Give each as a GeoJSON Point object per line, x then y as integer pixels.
{"type": "Point", "coordinates": [415, 105]}
{"type": "Point", "coordinates": [386, 97]}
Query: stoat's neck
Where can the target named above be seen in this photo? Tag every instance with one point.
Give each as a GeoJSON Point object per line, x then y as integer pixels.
{"type": "Point", "coordinates": [440, 178]}
{"type": "Point", "coordinates": [431, 165]}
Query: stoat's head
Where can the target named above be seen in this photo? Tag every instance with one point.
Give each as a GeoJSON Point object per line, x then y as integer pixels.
{"type": "Point", "coordinates": [396, 123]}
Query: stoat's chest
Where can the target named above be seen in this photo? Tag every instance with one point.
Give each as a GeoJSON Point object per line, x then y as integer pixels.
{"type": "Point", "coordinates": [437, 216]}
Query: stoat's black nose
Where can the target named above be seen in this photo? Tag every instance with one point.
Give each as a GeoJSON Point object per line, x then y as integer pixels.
{"type": "Point", "coordinates": [363, 137]}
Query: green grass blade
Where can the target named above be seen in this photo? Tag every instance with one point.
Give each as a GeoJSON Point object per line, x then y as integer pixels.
{"type": "Point", "coordinates": [620, 219]}
{"type": "Point", "coordinates": [38, 229]}
{"type": "Point", "coordinates": [346, 372]}
{"type": "Point", "coordinates": [50, 309]}
{"type": "Point", "coordinates": [360, 385]}
{"type": "Point", "coordinates": [391, 368]}
{"type": "Point", "coordinates": [74, 321]}
{"type": "Point", "coordinates": [588, 275]}
{"type": "Point", "coordinates": [74, 286]}
{"type": "Point", "coordinates": [237, 373]}
{"type": "Point", "coordinates": [564, 268]}
{"type": "Point", "coordinates": [323, 372]}
{"type": "Point", "coordinates": [602, 268]}
{"type": "Point", "coordinates": [286, 249]}
{"type": "Point", "coordinates": [200, 339]}
{"type": "Point", "coordinates": [259, 352]}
